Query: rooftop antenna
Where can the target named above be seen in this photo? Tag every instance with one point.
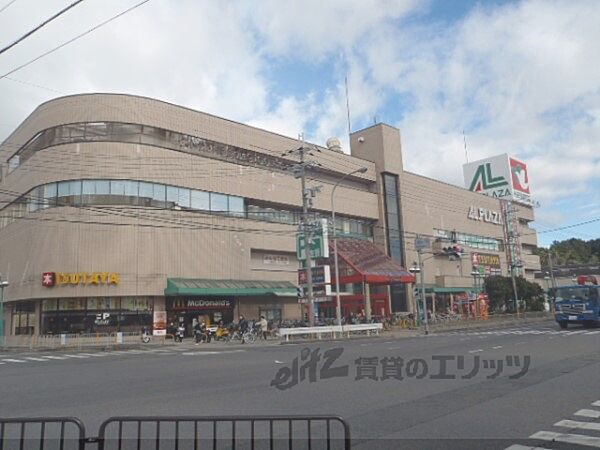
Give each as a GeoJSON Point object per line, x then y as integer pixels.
{"type": "Point", "coordinates": [465, 141]}
{"type": "Point", "coordinates": [347, 105]}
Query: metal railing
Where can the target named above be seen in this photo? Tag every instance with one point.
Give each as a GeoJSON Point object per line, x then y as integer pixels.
{"type": "Point", "coordinates": [63, 433]}
{"type": "Point", "coordinates": [53, 341]}
{"type": "Point", "coordinates": [179, 433]}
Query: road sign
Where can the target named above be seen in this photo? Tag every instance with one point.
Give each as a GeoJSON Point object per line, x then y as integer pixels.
{"type": "Point", "coordinates": [319, 247]}
{"type": "Point", "coordinates": [422, 243]}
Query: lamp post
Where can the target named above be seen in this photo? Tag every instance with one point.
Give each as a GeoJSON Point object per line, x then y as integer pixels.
{"type": "Point", "coordinates": [547, 279]}
{"type": "Point", "coordinates": [3, 284]}
{"type": "Point", "coordinates": [417, 267]}
{"type": "Point", "coordinates": [338, 305]}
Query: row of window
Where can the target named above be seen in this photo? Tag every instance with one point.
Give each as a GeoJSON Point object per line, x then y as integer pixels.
{"type": "Point", "coordinates": [469, 240]}
{"type": "Point", "coordinates": [121, 192]}
{"type": "Point", "coordinates": [138, 134]}
{"type": "Point", "coordinates": [344, 225]}
{"type": "Point", "coordinates": [141, 193]}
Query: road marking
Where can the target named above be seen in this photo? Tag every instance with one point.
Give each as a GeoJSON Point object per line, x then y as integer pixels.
{"type": "Point", "coordinates": [476, 351]}
{"type": "Point", "coordinates": [14, 360]}
{"type": "Point", "coordinates": [596, 403]}
{"type": "Point", "coordinates": [36, 359]}
{"type": "Point", "coordinates": [211, 352]}
{"type": "Point", "coordinates": [55, 357]}
{"type": "Point", "coordinates": [94, 354]}
{"type": "Point", "coordinates": [588, 413]}
{"type": "Point", "coordinates": [497, 347]}
{"type": "Point", "coordinates": [577, 439]}
{"type": "Point", "coordinates": [593, 332]}
{"type": "Point", "coordinates": [76, 356]}
{"type": "Point", "coordinates": [579, 425]}
{"type": "Point", "coordinates": [525, 447]}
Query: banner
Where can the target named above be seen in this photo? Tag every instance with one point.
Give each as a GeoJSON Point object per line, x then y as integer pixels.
{"type": "Point", "coordinates": [160, 323]}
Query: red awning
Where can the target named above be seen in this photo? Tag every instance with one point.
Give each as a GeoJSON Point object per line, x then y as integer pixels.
{"type": "Point", "coordinates": [362, 260]}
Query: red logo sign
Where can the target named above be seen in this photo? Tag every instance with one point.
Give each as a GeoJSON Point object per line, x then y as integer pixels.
{"type": "Point", "coordinates": [48, 279]}
{"type": "Point", "coordinates": [520, 178]}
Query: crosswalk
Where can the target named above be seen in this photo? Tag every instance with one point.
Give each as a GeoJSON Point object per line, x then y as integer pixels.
{"type": "Point", "coordinates": [523, 331]}
{"type": "Point", "coordinates": [581, 430]}
{"type": "Point", "coordinates": [47, 358]}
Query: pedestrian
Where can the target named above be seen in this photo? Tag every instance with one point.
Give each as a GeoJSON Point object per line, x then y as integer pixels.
{"type": "Point", "coordinates": [243, 327]}
{"type": "Point", "coordinates": [264, 325]}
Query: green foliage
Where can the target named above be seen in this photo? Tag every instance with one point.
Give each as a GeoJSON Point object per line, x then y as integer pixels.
{"type": "Point", "coordinates": [570, 252]}
{"type": "Point", "coordinates": [500, 292]}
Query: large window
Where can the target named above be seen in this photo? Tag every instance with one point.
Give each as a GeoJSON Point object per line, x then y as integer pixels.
{"type": "Point", "coordinates": [469, 240]}
{"type": "Point", "coordinates": [394, 236]}
{"type": "Point", "coordinates": [121, 192]}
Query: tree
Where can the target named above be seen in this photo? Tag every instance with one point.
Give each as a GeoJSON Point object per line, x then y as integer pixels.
{"type": "Point", "coordinates": [500, 292]}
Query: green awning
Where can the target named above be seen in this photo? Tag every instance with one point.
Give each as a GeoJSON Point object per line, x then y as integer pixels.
{"type": "Point", "coordinates": [198, 287]}
{"type": "Point", "coordinates": [448, 290]}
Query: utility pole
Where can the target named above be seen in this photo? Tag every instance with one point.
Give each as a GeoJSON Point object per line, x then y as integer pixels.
{"type": "Point", "coordinates": [423, 298]}
{"type": "Point", "coordinates": [305, 227]}
{"type": "Point", "coordinates": [550, 262]}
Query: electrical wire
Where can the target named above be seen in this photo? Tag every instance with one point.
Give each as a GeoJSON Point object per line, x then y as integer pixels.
{"type": "Point", "coordinates": [47, 21]}
{"type": "Point", "coordinates": [52, 50]}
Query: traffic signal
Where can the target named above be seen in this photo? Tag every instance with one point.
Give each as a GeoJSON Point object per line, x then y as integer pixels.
{"type": "Point", "coordinates": [454, 252]}
{"type": "Point", "coordinates": [416, 292]}
{"type": "Point", "coordinates": [300, 292]}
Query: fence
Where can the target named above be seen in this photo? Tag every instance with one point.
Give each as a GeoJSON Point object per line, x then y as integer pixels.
{"type": "Point", "coordinates": [330, 331]}
{"type": "Point", "coordinates": [179, 433]}
{"type": "Point", "coordinates": [52, 341]}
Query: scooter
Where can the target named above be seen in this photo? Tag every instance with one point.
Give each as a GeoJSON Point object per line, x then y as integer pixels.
{"type": "Point", "coordinates": [179, 334]}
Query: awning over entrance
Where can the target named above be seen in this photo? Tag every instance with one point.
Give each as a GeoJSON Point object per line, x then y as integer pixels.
{"type": "Point", "coordinates": [448, 290]}
{"type": "Point", "coordinates": [199, 287]}
{"type": "Point", "coordinates": [362, 260]}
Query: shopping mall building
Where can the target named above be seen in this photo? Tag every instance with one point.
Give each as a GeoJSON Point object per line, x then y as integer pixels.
{"type": "Point", "coordinates": [117, 209]}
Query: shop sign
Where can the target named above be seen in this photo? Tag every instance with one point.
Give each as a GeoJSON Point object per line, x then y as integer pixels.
{"type": "Point", "coordinates": [484, 215]}
{"type": "Point", "coordinates": [201, 304]}
{"type": "Point", "coordinates": [501, 176]}
{"type": "Point", "coordinates": [486, 263]}
{"type": "Point", "coordinates": [276, 260]}
{"type": "Point", "coordinates": [102, 319]}
{"type": "Point", "coordinates": [51, 279]}
{"type": "Point", "coordinates": [319, 246]}
{"type": "Point", "coordinates": [159, 325]}
{"type": "Point", "coordinates": [320, 275]}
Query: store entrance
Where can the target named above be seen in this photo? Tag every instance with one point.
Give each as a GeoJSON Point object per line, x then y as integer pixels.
{"type": "Point", "coordinates": [190, 311]}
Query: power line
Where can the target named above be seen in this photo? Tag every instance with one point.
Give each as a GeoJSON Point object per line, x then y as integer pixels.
{"type": "Point", "coordinates": [73, 39]}
{"type": "Point", "coordinates": [29, 33]}
{"type": "Point", "coordinates": [7, 5]}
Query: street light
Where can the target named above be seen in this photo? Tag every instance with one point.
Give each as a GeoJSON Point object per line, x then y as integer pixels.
{"type": "Point", "coordinates": [547, 279]}
{"type": "Point", "coordinates": [418, 267]}
{"type": "Point", "coordinates": [338, 305]}
{"type": "Point", "coordinates": [3, 284]}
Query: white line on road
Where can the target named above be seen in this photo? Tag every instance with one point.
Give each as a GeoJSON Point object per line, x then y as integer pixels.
{"type": "Point", "coordinates": [593, 332]}
{"type": "Point", "coordinates": [497, 347]}
{"type": "Point", "coordinates": [577, 439]}
{"type": "Point", "coordinates": [76, 356]}
{"type": "Point", "coordinates": [525, 447]}
{"type": "Point", "coordinates": [36, 359]}
{"type": "Point", "coordinates": [596, 403]}
{"type": "Point", "coordinates": [94, 354]}
{"type": "Point", "coordinates": [476, 351]}
{"type": "Point", "coordinates": [14, 360]}
{"type": "Point", "coordinates": [55, 357]}
{"type": "Point", "coordinates": [579, 425]}
{"type": "Point", "coordinates": [588, 413]}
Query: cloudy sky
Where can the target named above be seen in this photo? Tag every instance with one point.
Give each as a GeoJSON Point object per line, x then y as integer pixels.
{"type": "Point", "coordinates": [519, 77]}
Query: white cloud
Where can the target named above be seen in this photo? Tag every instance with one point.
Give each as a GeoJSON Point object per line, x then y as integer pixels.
{"type": "Point", "coordinates": [520, 78]}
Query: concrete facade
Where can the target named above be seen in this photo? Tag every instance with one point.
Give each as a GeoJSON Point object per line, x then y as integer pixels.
{"type": "Point", "coordinates": [191, 152]}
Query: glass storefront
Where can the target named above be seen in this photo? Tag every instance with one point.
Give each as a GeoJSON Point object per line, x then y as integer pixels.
{"type": "Point", "coordinates": [96, 315]}
{"type": "Point", "coordinates": [189, 310]}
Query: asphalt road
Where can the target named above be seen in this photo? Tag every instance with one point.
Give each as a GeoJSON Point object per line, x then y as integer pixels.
{"type": "Point", "coordinates": [417, 411]}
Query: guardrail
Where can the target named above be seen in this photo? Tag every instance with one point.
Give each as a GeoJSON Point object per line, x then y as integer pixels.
{"type": "Point", "coordinates": [165, 433]}
{"type": "Point", "coordinates": [330, 331]}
